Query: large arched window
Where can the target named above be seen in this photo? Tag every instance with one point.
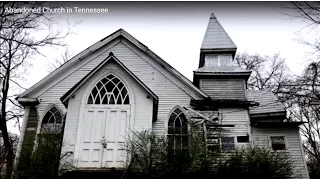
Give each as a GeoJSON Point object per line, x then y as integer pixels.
{"type": "Point", "coordinates": [109, 90]}
{"type": "Point", "coordinates": [178, 139]}
{"type": "Point", "coordinates": [52, 121]}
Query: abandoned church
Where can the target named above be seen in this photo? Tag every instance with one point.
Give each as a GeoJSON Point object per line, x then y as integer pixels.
{"type": "Point", "coordinates": [118, 85]}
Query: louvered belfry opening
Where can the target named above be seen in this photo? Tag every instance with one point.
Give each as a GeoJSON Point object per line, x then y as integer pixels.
{"type": "Point", "coordinates": [109, 90]}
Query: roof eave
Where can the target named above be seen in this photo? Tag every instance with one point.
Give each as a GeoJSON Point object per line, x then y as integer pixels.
{"type": "Point", "coordinates": [102, 42]}
{"type": "Point", "coordinates": [276, 124]}
{"type": "Point", "coordinates": [80, 56]}
{"type": "Point", "coordinates": [27, 101]}
{"type": "Point", "coordinates": [278, 114]}
{"type": "Point", "coordinates": [218, 49]}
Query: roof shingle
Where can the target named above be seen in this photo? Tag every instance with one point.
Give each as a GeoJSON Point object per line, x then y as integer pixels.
{"type": "Point", "coordinates": [216, 37]}
{"type": "Point", "coordinates": [269, 103]}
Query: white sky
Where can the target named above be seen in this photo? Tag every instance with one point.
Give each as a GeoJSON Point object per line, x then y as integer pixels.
{"type": "Point", "coordinates": [174, 31]}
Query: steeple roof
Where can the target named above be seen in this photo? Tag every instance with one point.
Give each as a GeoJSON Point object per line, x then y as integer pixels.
{"type": "Point", "coordinates": [216, 37]}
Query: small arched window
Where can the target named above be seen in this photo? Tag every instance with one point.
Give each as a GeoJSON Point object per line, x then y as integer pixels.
{"type": "Point", "coordinates": [109, 90]}
{"type": "Point", "coordinates": [178, 139]}
{"type": "Point", "coordinates": [52, 121]}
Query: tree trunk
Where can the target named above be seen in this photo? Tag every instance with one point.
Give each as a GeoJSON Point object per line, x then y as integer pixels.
{"type": "Point", "coordinates": [8, 150]}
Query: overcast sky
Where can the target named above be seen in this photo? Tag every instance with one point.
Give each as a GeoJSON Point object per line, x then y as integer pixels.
{"type": "Point", "coordinates": [174, 30]}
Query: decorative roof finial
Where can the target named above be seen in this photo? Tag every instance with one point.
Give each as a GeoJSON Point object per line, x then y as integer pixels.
{"type": "Point", "coordinates": [213, 16]}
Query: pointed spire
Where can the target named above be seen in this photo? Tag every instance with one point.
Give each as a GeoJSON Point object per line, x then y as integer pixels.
{"type": "Point", "coordinates": [213, 16]}
{"type": "Point", "coordinates": [216, 37]}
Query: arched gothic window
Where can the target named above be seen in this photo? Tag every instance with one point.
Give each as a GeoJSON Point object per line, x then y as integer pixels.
{"type": "Point", "coordinates": [178, 139]}
{"type": "Point", "coordinates": [52, 121]}
{"type": "Point", "coordinates": [109, 90]}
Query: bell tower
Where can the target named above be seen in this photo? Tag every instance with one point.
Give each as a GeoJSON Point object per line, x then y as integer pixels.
{"type": "Point", "coordinates": [217, 76]}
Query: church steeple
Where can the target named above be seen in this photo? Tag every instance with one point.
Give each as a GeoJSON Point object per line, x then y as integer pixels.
{"type": "Point", "coordinates": [216, 38]}
{"type": "Point", "coordinates": [216, 41]}
{"type": "Point", "coordinates": [217, 76]}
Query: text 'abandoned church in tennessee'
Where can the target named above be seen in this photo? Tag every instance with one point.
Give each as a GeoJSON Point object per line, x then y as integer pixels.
{"type": "Point", "coordinates": [119, 85]}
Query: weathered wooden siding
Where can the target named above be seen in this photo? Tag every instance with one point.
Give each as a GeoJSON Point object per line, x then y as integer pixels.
{"type": "Point", "coordinates": [223, 88]}
{"type": "Point", "coordinates": [237, 117]}
{"type": "Point", "coordinates": [261, 138]}
{"type": "Point", "coordinates": [149, 72]}
{"type": "Point", "coordinates": [162, 83]}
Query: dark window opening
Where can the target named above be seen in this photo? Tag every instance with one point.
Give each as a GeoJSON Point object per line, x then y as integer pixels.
{"type": "Point", "coordinates": [227, 144]}
{"type": "Point", "coordinates": [278, 143]}
{"type": "Point", "coordinates": [242, 139]}
{"type": "Point", "coordinates": [178, 140]}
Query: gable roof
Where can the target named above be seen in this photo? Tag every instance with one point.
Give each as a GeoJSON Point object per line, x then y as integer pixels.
{"type": "Point", "coordinates": [119, 33]}
{"type": "Point", "coordinates": [269, 103]}
{"type": "Point", "coordinates": [111, 57]}
{"type": "Point", "coordinates": [216, 37]}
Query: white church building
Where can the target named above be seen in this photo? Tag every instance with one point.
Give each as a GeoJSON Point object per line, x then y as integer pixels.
{"type": "Point", "coordinates": [118, 85]}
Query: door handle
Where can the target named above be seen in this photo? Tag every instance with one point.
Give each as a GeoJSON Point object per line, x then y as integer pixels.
{"type": "Point", "coordinates": [104, 142]}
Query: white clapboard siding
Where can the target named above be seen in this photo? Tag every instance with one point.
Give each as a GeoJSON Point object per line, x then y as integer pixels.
{"type": "Point", "coordinates": [237, 117]}
{"type": "Point", "coordinates": [223, 88]}
{"type": "Point", "coordinates": [150, 73]}
{"type": "Point", "coordinates": [163, 84]}
{"type": "Point", "coordinates": [142, 111]}
{"type": "Point", "coordinates": [261, 137]}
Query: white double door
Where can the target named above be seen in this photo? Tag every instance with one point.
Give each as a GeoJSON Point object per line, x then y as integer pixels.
{"type": "Point", "coordinates": [103, 135]}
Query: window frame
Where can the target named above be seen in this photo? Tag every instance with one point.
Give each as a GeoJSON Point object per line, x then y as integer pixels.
{"type": "Point", "coordinates": [107, 94]}
{"type": "Point", "coordinates": [218, 59]}
{"type": "Point", "coordinates": [51, 128]}
{"type": "Point", "coordinates": [234, 142]}
{"type": "Point", "coordinates": [181, 135]}
{"type": "Point", "coordinates": [284, 140]}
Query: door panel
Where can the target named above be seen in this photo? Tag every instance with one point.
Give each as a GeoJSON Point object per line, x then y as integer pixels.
{"type": "Point", "coordinates": [116, 131]}
{"type": "Point", "coordinates": [92, 133]}
{"type": "Point", "coordinates": [99, 123]}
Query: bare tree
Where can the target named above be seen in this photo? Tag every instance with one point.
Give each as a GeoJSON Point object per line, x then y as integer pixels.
{"type": "Point", "coordinates": [60, 61]}
{"type": "Point", "coordinates": [303, 102]}
{"type": "Point", "coordinates": [14, 139]}
{"type": "Point", "coordinates": [18, 44]}
{"type": "Point", "coordinates": [304, 94]}
{"type": "Point", "coordinates": [306, 10]}
{"type": "Point", "coordinates": [268, 72]}
{"type": "Point", "coordinates": [300, 94]}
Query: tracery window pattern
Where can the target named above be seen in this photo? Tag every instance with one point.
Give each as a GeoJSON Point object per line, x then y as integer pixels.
{"type": "Point", "coordinates": [178, 140]}
{"type": "Point", "coordinates": [53, 116]}
{"type": "Point", "coordinates": [109, 90]}
{"type": "Point", "coordinates": [52, 122]}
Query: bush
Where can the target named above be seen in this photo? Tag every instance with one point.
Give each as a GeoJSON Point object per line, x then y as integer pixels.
{"type": "Point", "coordinates": [44, 162]}
{"type": "Point", "coordinates": [313, 167]}
{"type": "Point", "coordinates": [256, 162]}
{"type": "Point", "coordinates": [151, 157]}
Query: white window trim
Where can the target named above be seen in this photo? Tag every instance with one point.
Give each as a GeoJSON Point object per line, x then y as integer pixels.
{"type": "Point", "coordinates": [285, 142]}
{"type": "Point", "coordinates": [218, 55]}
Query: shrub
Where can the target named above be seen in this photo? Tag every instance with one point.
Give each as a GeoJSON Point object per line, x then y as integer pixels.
{"type": "Point", "coordinates": [256, 162]}
{"type": "Point", "coordinates": [151, 157]}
